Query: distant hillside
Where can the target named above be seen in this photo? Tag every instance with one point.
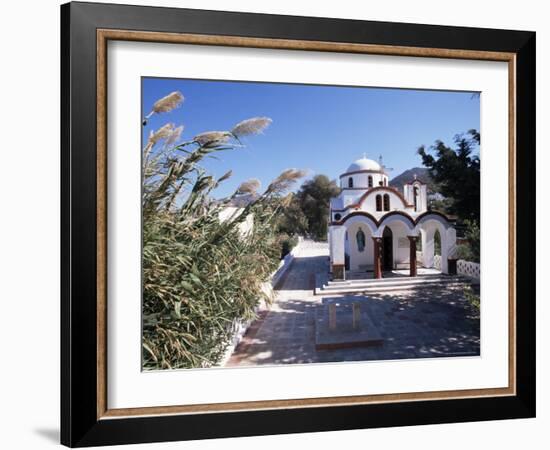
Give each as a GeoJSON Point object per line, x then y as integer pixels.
{"type": "Point", "coordinates": [421, 174]}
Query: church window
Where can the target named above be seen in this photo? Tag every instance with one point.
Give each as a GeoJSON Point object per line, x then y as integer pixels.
{"type": "Point", "coordinates": [386, 202]}
{"type": "Point", "coordinates": [378, 202]}
{"type": "Point", "coordinates": [337, 216]}
{"type": "Point", "coordinates": [370, 180]}
{"type": "Point", "coordinates": [350, 182]}
{"type": "Point", "coordinates": [360, 237]}
{"type": "Point", "coordinates": [415, 194]}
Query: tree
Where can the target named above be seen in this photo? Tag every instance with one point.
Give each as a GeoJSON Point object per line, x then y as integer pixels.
{"type": "Point", "coordinates": [292, 220]}
{"type": "Point", "coordinates": [314, 199]}
{"type": "Point", "coordinates": [456, 173]}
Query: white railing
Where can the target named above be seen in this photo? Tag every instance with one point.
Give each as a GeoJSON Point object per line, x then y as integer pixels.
{"type": "Point", "coordinates": [468, 268]}
{"type": "Point", "coordinates": [463, 267]}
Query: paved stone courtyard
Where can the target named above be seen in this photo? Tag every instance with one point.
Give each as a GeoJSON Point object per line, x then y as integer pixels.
{"type": "Point", "coordinates": [417, 323]}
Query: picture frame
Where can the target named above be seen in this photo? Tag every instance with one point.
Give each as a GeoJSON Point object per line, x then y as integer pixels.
{"type": "Point", "coordinates": [86, 418]}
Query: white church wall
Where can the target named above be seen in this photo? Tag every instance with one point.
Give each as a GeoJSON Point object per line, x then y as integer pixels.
{"type": "Point", "coordinates": [369, 204]}
{"type": "Point", "coordinates": [448, 244]}
{"type": "Point", "coordinates": [360, 260]}
{"type": "Point", "coordinates": [428, 246]}
{"type": "Point", "coordinates": [401, 249]}
{"type": "Point", "coordinates": [337, 235]}
{"type": "Point", "coordinates": [421, 201]}
{"type": "Point", "coordinates": [351, 197]}
{"type": "Point", "coordinates": [423, 198]}
{"type": "Point", "coordinates": [231, 213]}
{"type": "Point", "coordinates": [361, 180]}
{"type": "Point", "coordinates": [407, 193]}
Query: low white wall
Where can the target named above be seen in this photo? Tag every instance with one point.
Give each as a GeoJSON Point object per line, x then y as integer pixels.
{"type": "Point", "coordinates": [239, 326]}
{"type": "Point", "coordinates": [283, 267]}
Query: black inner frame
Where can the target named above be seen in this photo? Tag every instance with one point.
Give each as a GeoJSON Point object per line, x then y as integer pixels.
{"type": "Point", "coordinates": [79, 424]}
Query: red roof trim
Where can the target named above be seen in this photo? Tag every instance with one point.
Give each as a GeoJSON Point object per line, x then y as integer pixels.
{"type": "Point", "coordinates": [392, 213]}
{"type": "Point", "coordinates": [380, 188]}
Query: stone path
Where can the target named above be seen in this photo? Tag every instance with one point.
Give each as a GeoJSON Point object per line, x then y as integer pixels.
{"type": "Point", "coordinates": [417, 323]}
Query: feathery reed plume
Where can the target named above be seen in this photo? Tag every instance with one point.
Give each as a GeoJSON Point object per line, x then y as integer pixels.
{"type": "Point", "coordinates": [225, 176]}
{"type": "Point", "coordinates": [255, 125]}
{"type": "Point", "coordinates": [287, 200]}
{"type": "Point", "coordinates": [163, 132]}
{"type": "Point", "coordinates": [284, 181]}
{"type": "Point", "coordinates": [210, 138]}
{"type": "Point", "coordinates": [174, 135]}
{"type": "Point", "coordinates": [165, 104]}
{"type": "Point", "coordinates": [249, 186]}
{"type": "Point", "coordinates": [154, 136]}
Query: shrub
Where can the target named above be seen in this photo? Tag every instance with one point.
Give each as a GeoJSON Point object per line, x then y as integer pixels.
{"type": "Point", "coordinates": [287, 243]}
{"type": "Point", "coordinates": [470, 250]}
{"type": "Point", "coordinates": [472, 298]}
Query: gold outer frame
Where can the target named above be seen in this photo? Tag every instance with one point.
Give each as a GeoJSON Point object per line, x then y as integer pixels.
{"type": "Point", "coordinates": [104, 35]}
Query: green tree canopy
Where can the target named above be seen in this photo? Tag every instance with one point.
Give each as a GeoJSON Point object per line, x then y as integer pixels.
{"type": "Point", "coordinates": [314, 199]}
{"type": "Point", "coordinates": [456, 173]}
{"type": "Point", "coordinates": [292, 219]}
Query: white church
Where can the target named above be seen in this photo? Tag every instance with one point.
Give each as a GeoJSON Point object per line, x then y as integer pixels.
{"type": "Point", "coordinates": [373, 228]}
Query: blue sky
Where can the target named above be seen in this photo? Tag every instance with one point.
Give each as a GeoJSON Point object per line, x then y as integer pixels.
{"type": "Point", "coordinates": [319, 128]}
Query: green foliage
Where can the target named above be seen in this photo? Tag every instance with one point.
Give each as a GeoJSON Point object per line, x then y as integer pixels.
{"type": "Point", "coordinates": [470, 250]}
{"type": "Point", "coordinates": [307, 211]}
{"type": "Point", "coordinates": [287, 243]}
{"type": "Point", "coordinates": [292, 220]}
{"type": "Point", "coordinates": [472, 298]}
{"type": "Point", "coordinates": [314, 200]}
{"type": "Point", "coordinates": [201, 273]}
{"type": "Point", "coordinates": [456, 174]}
{"type": "Point", "coordinates": [443, 205]}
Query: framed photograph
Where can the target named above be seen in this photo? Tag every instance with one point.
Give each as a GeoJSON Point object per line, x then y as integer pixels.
{"type": "Point", "coordinates": [276, 224]}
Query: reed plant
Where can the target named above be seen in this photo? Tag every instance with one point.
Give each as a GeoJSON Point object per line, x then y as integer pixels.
{"type": "Point", "coordinates": [202, 271]}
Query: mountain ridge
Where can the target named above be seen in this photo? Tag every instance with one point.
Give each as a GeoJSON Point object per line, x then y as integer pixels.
{"type": "Point", "coordinates": [408, 175]}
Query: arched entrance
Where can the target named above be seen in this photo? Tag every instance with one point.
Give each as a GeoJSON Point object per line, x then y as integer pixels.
{"type": "Point", "coordinates": [438, 242]}
{"type": "Point", "coordinates": [387, 249]}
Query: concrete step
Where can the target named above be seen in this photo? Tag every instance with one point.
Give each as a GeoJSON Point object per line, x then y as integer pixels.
{"type": "Point", "coordinates": [388, 284]}
{"type": "Point", "coordinates": [396, 279]}
{"type": "Point", "coordinates": [375, 290]}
